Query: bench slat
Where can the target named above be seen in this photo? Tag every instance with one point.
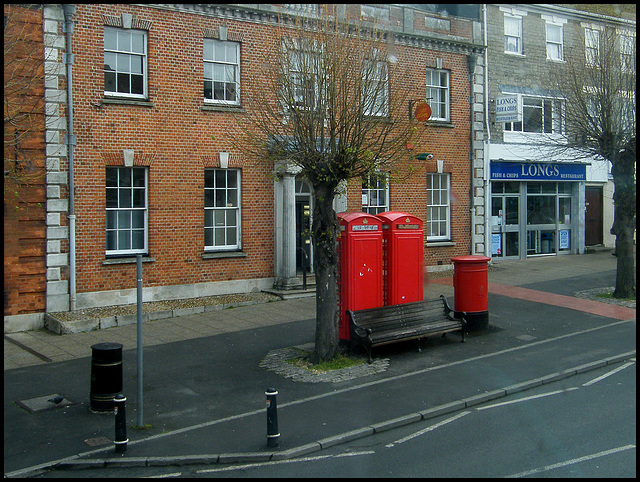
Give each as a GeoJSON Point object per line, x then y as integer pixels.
{"type": "Point", "coordinates": [387, 324]}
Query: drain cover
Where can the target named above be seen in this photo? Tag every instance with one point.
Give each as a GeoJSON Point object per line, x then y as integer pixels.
{"type": "Point", "coordinates": [40, 404]}
{"type": "Point", "coordinates": [97, 441]}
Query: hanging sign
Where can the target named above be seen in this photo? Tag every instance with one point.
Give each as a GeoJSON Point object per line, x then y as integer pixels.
{"type": "Point", "coordinates": [508, 109]}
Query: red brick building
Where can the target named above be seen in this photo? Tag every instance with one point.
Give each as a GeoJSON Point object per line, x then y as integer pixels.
{"type": "Point", "coordinates": [155, 93]}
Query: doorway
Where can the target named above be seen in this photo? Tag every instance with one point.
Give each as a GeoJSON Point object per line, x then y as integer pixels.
{"type": "Point", "coordinates": [304, 248]}
{"type": "Point", "coordinates": [593, 231]}
{"type": "Point", "coordinates": [505, 220]}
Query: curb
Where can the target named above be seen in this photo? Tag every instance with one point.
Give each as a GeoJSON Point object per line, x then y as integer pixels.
{"type": "Point", "coordinates": [76, 462]}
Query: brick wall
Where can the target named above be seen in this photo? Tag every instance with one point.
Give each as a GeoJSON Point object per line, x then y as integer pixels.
{"type": "Point", "coordinates": [176, 140]}
{"type": "Point", "coordinates": [24, 189]}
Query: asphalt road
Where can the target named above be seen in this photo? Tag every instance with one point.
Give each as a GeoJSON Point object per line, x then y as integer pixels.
{"type": "Point", "coordinates": [583, 426]}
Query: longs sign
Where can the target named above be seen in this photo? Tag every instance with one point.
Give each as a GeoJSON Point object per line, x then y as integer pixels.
{"type": "Point", "coordinates": [528, 171]}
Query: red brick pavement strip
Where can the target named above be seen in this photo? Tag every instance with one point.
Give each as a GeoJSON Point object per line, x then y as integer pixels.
{"type": "Point", "coordinates": [588, 306]}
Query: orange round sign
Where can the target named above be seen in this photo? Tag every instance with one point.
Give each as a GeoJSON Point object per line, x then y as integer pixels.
{"type": "Point", "coordinates": [423, 112]}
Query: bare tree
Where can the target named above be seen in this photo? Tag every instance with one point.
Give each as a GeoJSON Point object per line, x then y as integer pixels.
{"type": "Point", "coordinates": [598, 83]}
{"type": "Point", "coordinates": [328, 105]}
{"type": "Point", "coordinates": [23, 100]}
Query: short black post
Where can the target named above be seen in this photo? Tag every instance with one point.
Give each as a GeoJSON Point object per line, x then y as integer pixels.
{"type": "Point", "coordinates": [121, 423]}
{"type": "Point", "coordinates": [272, 418]}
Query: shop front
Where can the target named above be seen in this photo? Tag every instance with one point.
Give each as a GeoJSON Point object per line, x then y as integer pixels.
{"type": "Point", "coordinates": [537, 209]}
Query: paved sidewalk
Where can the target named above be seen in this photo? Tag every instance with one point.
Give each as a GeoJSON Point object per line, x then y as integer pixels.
{"type": "Point", "coordinates": [205, 376]}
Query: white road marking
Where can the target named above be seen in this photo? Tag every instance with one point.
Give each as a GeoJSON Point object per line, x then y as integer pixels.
{"type": "Point", "coordinates": [428, 429]}
{"type": "Point", "coordinates": [289, 461]}
{"type": "Point", "coordinates": [524, 399]}
{"type": "Point", "coordinates": [573, 461]}
{"type": "Point", "coordinates": [608, 374]}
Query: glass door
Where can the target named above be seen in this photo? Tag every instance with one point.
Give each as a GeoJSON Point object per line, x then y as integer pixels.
{"type": "Point", "coordinates": [505, 226]}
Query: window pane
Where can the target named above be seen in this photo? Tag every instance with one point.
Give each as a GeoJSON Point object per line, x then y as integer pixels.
{"type": "Point", "coordinates": [207, 52]}
{"type": "Point", "coordinates": [124, 40]}
{"type": "Point", "coordinates": [221, 178]}
{"type": "Point", "coordinates": [231, 52]}
{"type": "Point", "coordinates": [219, 236]}
{"type": "Point", "coordinates": [124, 219]}
{"type": "Point", "coordinates": [208, 237]}
{"type": "Point", "coordinates": [110, 61]}
{"type": "Point", "coordinates": [136, 64]}
{"type": "Point", "coordinates": [219, 217]}
{"type": "Point", "coordinates": [137, 84]}
{"type": "Point", "coordinates": [110, 82]}
{"type": "Point", "coordinates": [112, 237]}
{"type": "Point", "coordinates": [123, 83]}
{"type": "Point", "coordinates": [112, 198]}
{"type": "Point", "coordinates": [138, 177]}
{"type": "Point", "coordinates": [208, 198]}
{"type": "Point", "coordinates": [138, 198]}
{"type": "Point", "coordinates": [231, 236]}
{"type": "Point", "coordinates": [554, 33]}
{"type": "Point", "coordinates": [137, 42]}
{"type": "Point", "coordinates": [137, 219]}
{"type": "Point", "coordinates": [110, 39]}
{"type": "Point", "coordinates": [208, 218]}
{"type": "Point", "coordinates": [124, 240]}
{"type": "Point", "coordinates": [124, 177]}
{"type": "Point", "coordinates": [111, 219]}
{"type": "Point", "coordinates": [137, 239]}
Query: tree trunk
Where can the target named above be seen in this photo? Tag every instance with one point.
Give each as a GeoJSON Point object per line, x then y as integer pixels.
{"type": "Point", "coordinates": [624, 225]}
{"type": "Point", "coordinates": [325, 234]}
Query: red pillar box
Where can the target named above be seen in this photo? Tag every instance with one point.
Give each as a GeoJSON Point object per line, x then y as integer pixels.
{"type": "Point", "coordinates": [360, 266]}
{"type": "Point", "coordinates": [403, 255]}
{"type": "Point", "coordinates": [470, 286]}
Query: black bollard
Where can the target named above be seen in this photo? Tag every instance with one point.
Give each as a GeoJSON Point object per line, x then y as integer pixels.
{"type": "Point", "coordinates": [272, 418]}
{"type": "Point", "coordinates": [121, 423]}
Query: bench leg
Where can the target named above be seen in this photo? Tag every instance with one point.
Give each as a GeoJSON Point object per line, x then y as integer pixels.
{"type": "Point", "coordinates": [369, 353]}
{"type": "Point", "coordinates": [419, 347]}
{"type": "Point", "coordinates": [462, 341]}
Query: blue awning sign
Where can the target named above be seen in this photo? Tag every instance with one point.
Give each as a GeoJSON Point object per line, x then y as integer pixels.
{"type": "Point", "coordinates": [529, 171]}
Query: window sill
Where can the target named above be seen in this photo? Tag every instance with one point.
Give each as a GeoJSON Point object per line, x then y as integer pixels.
{"type": "Point", "coordinates": [126, 260]}
{"type": "Point", "coordinates": [436, 123]}
{"type": "Point", "coordinates": [222, 108]}
{"type": "Point", "coordinates": [440, 244]}
{"type": "Point", "coordinates": [122, 101]}
{"type": "Point", "coordinates": [515, 54]}
{"type": "Point", "coordinates": [223, 254]}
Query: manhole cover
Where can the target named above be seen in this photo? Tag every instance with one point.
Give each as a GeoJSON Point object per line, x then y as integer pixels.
{"type": "Point", "coordinates": [97, 441]}
{"type": "Point", "coordinates": [40, 404]}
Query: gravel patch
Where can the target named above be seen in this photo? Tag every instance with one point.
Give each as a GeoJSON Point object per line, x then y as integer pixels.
{"type": "Point", "coordinates": [592, 294]}
{"type": "Point", "coordinates": [153, 306]}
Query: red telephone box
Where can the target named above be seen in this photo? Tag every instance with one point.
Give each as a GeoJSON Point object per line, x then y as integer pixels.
{"type": "Point", "coordinates": [403, 252]}
{"type": "Point", "coordinates": [360, 266]}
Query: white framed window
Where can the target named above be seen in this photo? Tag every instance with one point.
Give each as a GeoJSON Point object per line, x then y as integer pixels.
{"type": "Point", "coordinates": [127, 213]}
{"type": "Point", "coordinates": [438, 94]}
{"type": "Point", "coordinates": [375, 193]}
{"type": "Point", "coordinates": [555, 50]}
{"type": "Point", "coordinates": [539, 115]}
{"type": "Point", "coordinates": [221, 71]}
{"type": "Point", "coordinates": [438, 207]}
{"type": "Point", "coordinates": [592, 46]}
{"type": "Point", "coordinates": [303, 69]}
{"type": "Point", "coordinates": [376, 85]}
{"type": "Point", "coordinates": [627, 52]}
{"type": "Point", "coordinates": [221, 209]}
{"type": "Point", "coordinates": [125, 62]}
{"type": "Point", "coordinates": [513, 34]}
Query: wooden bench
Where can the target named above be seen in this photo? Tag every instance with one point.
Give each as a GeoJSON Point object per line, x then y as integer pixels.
{"type": "Point", "coordinates": [387, 324]}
